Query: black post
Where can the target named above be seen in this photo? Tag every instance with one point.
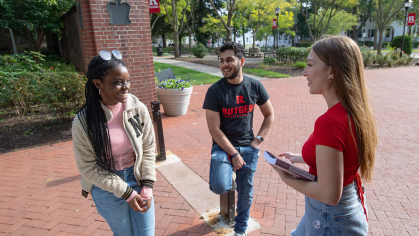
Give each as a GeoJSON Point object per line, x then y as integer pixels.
{"type": "Point", "coordinates": [228, 206]}
{"type": "Point", "coordinates": [277, 31]}
{"type": "Point", "coordinates": [404, 28]}
{"type": "Point", "coordinates": [158, 131]}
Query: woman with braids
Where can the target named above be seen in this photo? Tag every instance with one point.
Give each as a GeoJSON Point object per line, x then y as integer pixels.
{"type": "Point", "coordinates": [343, 142]}
{"type": "Point", "coordinates": [114, 146]}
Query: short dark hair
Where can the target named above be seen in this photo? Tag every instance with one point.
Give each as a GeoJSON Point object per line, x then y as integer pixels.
{"type": "Point", "coordinates": [238, 49]}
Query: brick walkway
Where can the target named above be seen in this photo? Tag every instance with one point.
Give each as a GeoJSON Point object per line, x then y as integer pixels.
{"type": "Point", "coordinates": [40, 191]}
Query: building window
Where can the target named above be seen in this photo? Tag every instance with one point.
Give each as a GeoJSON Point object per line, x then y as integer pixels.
{"type": "Point", "coordinates": [372, 33]}
{"type": "Point", "coordinates": [247, 39]}
{"type": "Point", "coordinates": [388, 33]}
{"type": "Point", "coordinates": [360, 34]}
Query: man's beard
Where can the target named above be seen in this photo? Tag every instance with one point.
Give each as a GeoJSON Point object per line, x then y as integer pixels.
{"type": "Point", "coordinates": [236, 71]}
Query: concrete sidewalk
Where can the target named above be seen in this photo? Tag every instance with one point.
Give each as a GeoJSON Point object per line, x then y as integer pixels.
{"type": "Point", "coordinates": [198, 67]}
{"type": "Point", "coordinates": [40, 187]}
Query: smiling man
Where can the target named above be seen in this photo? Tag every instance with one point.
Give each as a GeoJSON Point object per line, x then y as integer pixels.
{"type": "Point", "coordinates": [229, 105]}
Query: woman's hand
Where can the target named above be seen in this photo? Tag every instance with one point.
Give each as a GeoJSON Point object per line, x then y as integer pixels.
{"type": "Point", "coordinates": [146, 206]}
{"type": "Point", "coordinates": [294, 158]}
{"type": "Point", "coordinates": [136, 203]}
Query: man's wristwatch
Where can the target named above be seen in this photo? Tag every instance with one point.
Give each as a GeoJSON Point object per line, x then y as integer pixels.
{"type": "Point", "coordinates": [260, 138]}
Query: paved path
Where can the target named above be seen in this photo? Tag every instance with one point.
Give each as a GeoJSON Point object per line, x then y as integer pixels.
{"type": "Point", "coordinates": [198, 67]}
{"type": "Point", "coordinates": [40, 191]}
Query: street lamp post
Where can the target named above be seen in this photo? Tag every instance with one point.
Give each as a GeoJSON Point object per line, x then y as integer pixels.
{"type": "Point", "coordinates": [407, 4]}
{"type": "Point", "coordinates": [277, 10]}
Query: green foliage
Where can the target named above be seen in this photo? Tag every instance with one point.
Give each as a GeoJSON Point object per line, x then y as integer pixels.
{"type": "Point", "coordinates": [397, 43]}
{"type": "Point", "coordinates": [382, 59]}
{"type": "Point", "coordinates": [300, 64]}
{"type": "Point", "coordinates": [199, 50]}
{"type": "Point", "coordinates": [292, 54]}
{"type": "Point", "coordinates": [367, 55]}
{"type": "Point", "coordinates": [24, 16]}
{"type": "Point", "coordinates": [31, 79]}
{"type": "Point", "coordinates": [416, 44]}
{"type": "Point", "coordinates": [269, 60]}
{"type": "Point", "coordinates": [265, 73]}
{"type": "Point", "coordinates": [304, 45]}
{"type": "Point", "coordinates": [174, 84]}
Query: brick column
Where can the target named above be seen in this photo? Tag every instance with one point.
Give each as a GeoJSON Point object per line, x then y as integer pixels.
{"type": "Point", "coordinates": [133, 41]}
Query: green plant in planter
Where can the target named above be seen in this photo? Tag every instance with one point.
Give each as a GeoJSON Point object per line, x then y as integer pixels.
{"type": "Point", "coordinates": [174, 84]}
{"type": "Point", "coordinates": [269, 60]}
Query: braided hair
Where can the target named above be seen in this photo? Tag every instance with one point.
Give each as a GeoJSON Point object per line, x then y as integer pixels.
{"type": "Point", "coordinates": [93, 116]}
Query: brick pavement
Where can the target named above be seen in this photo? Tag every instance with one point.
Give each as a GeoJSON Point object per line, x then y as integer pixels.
{"type": "Point", "coordinates": [40, 192]}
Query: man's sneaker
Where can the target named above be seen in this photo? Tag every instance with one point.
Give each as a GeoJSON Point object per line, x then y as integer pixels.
{"type": "Point", "coordinates": [233, 183]}
{"type": "Point", "coordinates": [237, 234]}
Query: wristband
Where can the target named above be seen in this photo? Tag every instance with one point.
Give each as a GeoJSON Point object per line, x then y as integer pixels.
{"type": "Point", "coordinates": [233, 155]}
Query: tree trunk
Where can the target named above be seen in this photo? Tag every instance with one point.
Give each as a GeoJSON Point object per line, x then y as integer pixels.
{"type": "Point", "coordinates": [176, 39]}
{"type": "Point", "coordinates": [190, 40]}
{"type": "Point", "coordinates": [244, 38]}
{"type": "Point", "coordinates": [163, 38]}
{"type": "Point", "coordinates": [380, 40]}
{"type": "Point", "coordinates": [375, 39]}
{"type": "Point", "coordinates": [235, 33]}
{"type": "Point", "coordinates": [254, 42]}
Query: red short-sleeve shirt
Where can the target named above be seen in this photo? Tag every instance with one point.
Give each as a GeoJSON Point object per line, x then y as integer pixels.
{"type": "Point", "coordinates": [332, 130]}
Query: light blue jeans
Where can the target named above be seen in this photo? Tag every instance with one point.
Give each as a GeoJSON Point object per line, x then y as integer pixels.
{"type": "Point", "coordinates": [346, 218]}
{"type": "Point", "coordinates": [221, 171]}
{"type": "Point", "coordinates": [122, 219]}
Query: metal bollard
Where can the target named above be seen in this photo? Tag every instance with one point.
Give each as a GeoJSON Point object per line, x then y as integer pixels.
{"type": "Point", "coordinates": [158, 130]}
{"type": "Point", "coordinates": [228, 207]}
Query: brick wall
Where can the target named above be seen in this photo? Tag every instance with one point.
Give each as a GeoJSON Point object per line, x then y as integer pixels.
{"type": "Point", "coordinates": [133, 41]}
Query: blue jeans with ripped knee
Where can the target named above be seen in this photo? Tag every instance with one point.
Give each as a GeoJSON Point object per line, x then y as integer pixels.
{"type": "Point", "coordinates": [221, 171]}
{"type": "Point", "coordinates": [346, 218]}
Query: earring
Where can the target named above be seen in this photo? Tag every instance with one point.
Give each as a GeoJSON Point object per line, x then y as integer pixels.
{"type": "Point", "coordinates": [330, 77]}
{"type": "Point", "coordinates": [99, 91]}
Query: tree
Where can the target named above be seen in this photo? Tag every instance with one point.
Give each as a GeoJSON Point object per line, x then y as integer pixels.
{"type": "Point", "coordinates": [364, 11]}
{"type": "Point", "coordinates": [342, 21]}
{"type": "Point", "coordinates": [263, 34]}
{"type": "Point", "coordinates": [175, 13]}
{"type": "Point", "coordinates": [31, 19]}
{"type": "Point", "coordinates": [230, 5]}
{"type": "Point", "coordinates": [259, 12]}
{"type": "Point", "coordinates": [215, 26]}
{"type": "Point", "coordinates": [190, 22]}
{"type": "Point", "coordinates": [384, 14]}
{"type": "Point", "coordinates": [323, 12]}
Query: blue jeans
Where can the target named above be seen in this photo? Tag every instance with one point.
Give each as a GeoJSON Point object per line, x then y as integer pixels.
{"type": "Point", "coordinates": [346, 218]}
{"type": "Point", "coordinates": [221, 171]}
{"type": "Point", "coordinates": [122, 219]}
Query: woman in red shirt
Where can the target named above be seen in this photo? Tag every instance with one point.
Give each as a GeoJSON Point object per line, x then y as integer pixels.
{"type": "Point", "coordinates": [341, 146]}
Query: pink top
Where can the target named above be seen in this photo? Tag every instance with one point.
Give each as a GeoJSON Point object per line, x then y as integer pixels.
{"type": "Point", "coordinates": [122, 150]}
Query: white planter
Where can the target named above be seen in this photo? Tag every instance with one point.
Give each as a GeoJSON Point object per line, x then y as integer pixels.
{"type": "Point", "coordinates": [175, 101]}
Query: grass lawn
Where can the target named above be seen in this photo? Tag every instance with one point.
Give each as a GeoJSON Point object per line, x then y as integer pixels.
{"type": "Point", "coordinates": [197, 78]}
{"type": "Point", "coordinates": [265, 73]}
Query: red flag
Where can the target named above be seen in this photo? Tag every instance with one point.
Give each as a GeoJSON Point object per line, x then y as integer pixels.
{"type": "Point", "coordinates": [411, 19]}
{"type": "Point", "coordinates": [154, 6]}
{"type": "Point", "coordinates": [274, 24]}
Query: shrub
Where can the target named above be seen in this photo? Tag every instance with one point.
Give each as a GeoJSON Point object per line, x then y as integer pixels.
{"type": "Point", "coordinates": [416, 44]}
{"type": "Point", "coordinates": [382, 59]}
{"type": "Point", "coordinates": [385, 45]}
{"type": "Point", "coordinates": [61, 91]}
{"type": "Point", "coordinates": [199, 50]}
{"type": "Point", "coordinates": [303, 45]}
{"type": "Point", "coordinates": [300, 65]}
{"type": "Point", "coordinates": [292, 54]}
{"type": "Point", "coordinates": [367, 55]}
{"type": "Point", "coordinates": [397, 43]}
{"type": "Point", "coordinates": [269, 60]}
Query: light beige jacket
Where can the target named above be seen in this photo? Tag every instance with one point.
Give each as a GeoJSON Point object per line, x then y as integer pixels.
{"type": "Point", "coordinates": [139, 128]}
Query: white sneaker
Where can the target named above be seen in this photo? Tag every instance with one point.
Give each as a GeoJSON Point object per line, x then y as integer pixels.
{"type": "Point", "coordinates": [237, 234]}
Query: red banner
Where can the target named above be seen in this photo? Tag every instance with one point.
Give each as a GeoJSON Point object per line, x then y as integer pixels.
{"type": "Point", "coordinates": [411, 19]}
{"type": "Point", "coordinates": [154, 6]}
{"type": "Point", "coordinates": [274, 24]}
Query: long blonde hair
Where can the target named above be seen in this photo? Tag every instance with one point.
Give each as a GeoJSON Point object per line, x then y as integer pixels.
{"type": "Point", "coordinates": [345, 58]}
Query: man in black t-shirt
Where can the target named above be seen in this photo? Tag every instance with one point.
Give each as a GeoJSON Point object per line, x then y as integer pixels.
{"type": "Point", "coordinates": [229, 105]}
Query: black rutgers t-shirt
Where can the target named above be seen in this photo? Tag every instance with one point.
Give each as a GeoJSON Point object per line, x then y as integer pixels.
{"type": "Point", "coordinates": [235, 103]}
